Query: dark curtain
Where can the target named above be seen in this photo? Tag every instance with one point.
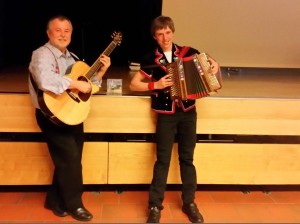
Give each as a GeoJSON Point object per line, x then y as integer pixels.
{"type": "Point", "coordinates": [23, 28]}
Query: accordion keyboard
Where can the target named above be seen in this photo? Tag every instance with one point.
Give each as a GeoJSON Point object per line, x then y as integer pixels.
{"type": "Point", "coordinates": [211, 80]}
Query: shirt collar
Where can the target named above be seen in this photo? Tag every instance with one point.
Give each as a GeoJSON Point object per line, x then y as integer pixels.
{"type": "Point", "coordinates": [57, 52]}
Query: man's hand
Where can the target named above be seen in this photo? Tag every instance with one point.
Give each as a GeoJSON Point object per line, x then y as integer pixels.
{"type": "Point", "coordinates": [164, 82]}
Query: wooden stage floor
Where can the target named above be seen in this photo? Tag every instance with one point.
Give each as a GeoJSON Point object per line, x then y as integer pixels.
{"type": "Point", "coordinates": [237, 82]}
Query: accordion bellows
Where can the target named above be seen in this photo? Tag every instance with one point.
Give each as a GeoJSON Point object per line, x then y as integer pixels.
{"type": "Point", "coordinates": [192, 78]}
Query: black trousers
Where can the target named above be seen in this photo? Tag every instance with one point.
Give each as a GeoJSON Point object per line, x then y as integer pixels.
{"type": "Point", "coordinates": [182, 124]}
{"type": "Point", "coordinates": [65, 144]}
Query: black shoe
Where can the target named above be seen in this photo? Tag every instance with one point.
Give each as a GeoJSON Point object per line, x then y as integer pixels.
{"type": "Point", "coordinates": [193, 213]}
{"type": "Point", "coordinates": [81, 214]}
{"type": "Point", "coordinates": [56, 209]}
{"type": "Point", "coordinates": [154, 215]}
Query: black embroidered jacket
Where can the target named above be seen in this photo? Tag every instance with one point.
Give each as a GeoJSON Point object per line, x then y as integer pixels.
{"type": "Point", "coordinates": [161, 101]}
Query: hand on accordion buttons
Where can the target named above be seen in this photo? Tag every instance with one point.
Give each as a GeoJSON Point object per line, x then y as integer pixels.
{"type": "Point", "coordinates": [214, 66]}
{"type": "Point", "coordinates": [164, 82]}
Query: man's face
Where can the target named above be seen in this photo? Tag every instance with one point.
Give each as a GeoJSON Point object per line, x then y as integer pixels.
{"type": "Point", "coordinates": [59, 33]}
{"type": "Point", "coordinates": [164, 38]}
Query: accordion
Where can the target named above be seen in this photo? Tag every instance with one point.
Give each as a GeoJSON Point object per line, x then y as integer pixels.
{"type": "Point", "coordinates": [192, 78]}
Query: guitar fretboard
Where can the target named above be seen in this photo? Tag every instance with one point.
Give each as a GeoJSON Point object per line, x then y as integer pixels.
{"type": "Point", "coordinates": [97, 64]}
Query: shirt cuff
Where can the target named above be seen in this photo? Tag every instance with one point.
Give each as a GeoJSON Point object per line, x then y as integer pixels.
{"type": "Point", "coordinates": [96, 82]}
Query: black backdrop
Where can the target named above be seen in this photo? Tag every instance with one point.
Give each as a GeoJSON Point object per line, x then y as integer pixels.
{"type": "Point", "coordinates": [23, 27]}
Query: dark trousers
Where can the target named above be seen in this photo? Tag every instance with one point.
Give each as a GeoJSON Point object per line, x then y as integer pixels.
{"type": "Point", "coordinates": [65, 144]}
{"type": "Point", "coordinates": [168, 125]}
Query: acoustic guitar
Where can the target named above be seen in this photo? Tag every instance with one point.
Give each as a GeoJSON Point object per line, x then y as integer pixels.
{"type": "Point", "coordinates": [72, 106]}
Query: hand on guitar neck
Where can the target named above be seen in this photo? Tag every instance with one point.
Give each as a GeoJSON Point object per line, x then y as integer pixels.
{"type": "Point", "coordinates": [105, 63]}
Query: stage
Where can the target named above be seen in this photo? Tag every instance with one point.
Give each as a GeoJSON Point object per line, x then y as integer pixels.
{"type": "Point", "coordinates": [247, 133]}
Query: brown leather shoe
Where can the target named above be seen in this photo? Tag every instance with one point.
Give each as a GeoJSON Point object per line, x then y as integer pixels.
{"type": "Point", "coordinates": [154, 215]}
{"type": "Point", "coordinates": [193, 213]}
{"type": "Point", "coordinates": [81, 214]}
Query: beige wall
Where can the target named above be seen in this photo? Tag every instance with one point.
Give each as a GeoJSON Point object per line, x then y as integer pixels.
{"type": "Point", "coordinates": [240, 33]}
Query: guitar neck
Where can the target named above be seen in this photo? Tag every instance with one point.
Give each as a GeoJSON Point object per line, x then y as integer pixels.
{"type": "Point", "coordinates": [97, 64]}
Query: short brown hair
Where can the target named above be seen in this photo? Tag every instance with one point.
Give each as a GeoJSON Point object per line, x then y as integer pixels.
{"type": "Point", "coordinates": [162, 22]}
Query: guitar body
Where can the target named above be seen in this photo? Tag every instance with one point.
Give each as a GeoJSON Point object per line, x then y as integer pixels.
{"type": "Point", "coordinates": [71, 107]}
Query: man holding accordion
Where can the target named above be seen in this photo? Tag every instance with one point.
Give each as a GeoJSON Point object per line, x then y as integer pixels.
{"type": "Point", "coordinates": [176, 118]}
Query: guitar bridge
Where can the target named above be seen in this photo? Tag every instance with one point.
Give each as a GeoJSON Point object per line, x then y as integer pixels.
{"type": "Point", "coordinates": [73, 96]}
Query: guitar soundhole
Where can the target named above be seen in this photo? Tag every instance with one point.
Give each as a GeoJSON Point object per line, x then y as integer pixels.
{"type": "Point", "coordinates": [84, 96]}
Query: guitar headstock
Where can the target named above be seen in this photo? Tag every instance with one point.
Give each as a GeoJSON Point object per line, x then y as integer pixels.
{"type": "Point", "coordinates": [117, 37]}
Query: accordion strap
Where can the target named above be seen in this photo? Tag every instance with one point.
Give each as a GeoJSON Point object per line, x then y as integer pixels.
{"type": "Point", "coordinates": [219, 74]}
{"type": "Point", "coordinates": [183, 51]}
